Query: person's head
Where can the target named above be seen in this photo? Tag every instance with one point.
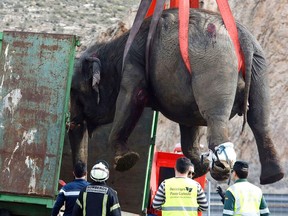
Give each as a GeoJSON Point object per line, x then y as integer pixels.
{"type": "Point", "coordinates": [80, 169]}
{"type": "Point", "coordinates": [241, 169]}
{"type": "Point", "coordinates": [191, 171]}
{"type": "Point", "coordinates": [184, 165]}
{"type": "Point", "coordinates": [100, 171]}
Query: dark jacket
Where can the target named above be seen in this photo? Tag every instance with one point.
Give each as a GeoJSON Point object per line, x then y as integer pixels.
{"type": "Point", "coordinates": [97, 199]}
{"type": "Point", "coordinates": [68, 195]}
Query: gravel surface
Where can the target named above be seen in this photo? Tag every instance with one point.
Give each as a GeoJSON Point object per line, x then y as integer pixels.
{"type": "Point", "coordinates": [88, 19]}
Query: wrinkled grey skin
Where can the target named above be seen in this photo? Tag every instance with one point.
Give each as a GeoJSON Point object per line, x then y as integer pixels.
{"type": "Point", "coordinates": [211, 95]}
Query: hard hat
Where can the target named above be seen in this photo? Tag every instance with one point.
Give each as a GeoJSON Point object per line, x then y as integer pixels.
{"type": "Point", "coordinates": [177, 148]}
{"type": "Point", "coordinates": [100, 171]}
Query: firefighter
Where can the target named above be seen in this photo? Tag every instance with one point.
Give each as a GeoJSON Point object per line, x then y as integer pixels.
{"type": "Point", "coordinates": [98, 199]}
{"type": "Point", "coordinates": [180, 195]}
{"type": "Point", "coordinates": [244, 198]}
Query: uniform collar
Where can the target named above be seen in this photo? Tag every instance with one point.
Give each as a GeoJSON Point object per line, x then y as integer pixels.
{"type": "Point", "coordinates": [241, 180]}
{"type": "Point", "coordinates": [79, 179]}
{"type": "Point", "coordinates": [99, 183]}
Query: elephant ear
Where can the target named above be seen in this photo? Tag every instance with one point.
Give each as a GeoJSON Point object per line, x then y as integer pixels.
{"type": "Point", "coordinates": [96, 69]}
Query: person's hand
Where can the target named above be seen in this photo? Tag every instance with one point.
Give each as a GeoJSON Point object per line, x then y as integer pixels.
{"type": "Point", "coordinates": [221, 193]}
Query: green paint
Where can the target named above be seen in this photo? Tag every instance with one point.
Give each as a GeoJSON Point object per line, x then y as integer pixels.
{"type": "Point", "coordinates": [149, 163]}
{"type": "Point", "coordinates": [38, 67]}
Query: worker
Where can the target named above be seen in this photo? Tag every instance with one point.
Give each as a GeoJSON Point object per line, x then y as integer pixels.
{"type": "Point", "coordinates": [180, 195]}
{"type": "Point", "coordinates": [69, 192]}
{"type": "Point", "coordinates": [244, 198]}
{"type": "Point", "coordinates": [98, 199]}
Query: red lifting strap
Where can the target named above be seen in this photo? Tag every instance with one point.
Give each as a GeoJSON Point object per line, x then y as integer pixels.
{"type": "Point", "coordinates": [184, 8]}
{"type": "Point", "coordinates": [147, 8]}
{"type": "Point", "coordinates": [230, 24]}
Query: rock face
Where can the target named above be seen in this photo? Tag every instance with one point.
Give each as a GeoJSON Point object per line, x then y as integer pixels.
{"type": "Point", "coordinates": [267, 20]}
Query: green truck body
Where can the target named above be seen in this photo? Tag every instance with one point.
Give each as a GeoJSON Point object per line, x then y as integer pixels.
{"type": "Point", "coordinates": [35, 72]}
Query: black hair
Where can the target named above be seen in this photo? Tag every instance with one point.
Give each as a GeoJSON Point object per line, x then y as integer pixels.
{"type": "Point", "coordinates": [80, 169]}
{"type": "Point", "coordinates": [183, 164]}
{"type": "Point", "coordinates": [241, 174]}
{"type": "Point", "coordinates": [241, 169]}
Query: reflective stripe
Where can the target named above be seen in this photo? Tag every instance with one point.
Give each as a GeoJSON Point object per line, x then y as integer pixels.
{"type": "Point", "coordinates": [70, 193]}
{"type": "Point", "coordinates": [84, 203]}
{"type": "Point", "coordinates": [248, 214]}
{"type": "Point", "coordinates": [114, 207]}
{"type": "Point", "coordinates": [79, 203]}
{"type": "Point", "coordinates": [180, 208]}
{"type": "Point", "coordinates": [264, 211]}
{"type": "Point", "coordinates": [228, 212]}
{"type": "Point", "coordinates": [104, 203]}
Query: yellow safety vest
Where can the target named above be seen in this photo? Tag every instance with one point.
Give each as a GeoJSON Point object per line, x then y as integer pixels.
{"type": "Point", "coordinates": [247, 199]}
{"type": "Point", "coordinates": [181, 197]}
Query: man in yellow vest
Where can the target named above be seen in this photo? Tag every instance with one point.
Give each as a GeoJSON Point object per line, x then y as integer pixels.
{"type": "Point", "coordinates": [180, 195]}
{"type": "Point", "coordinates": [244, 198]}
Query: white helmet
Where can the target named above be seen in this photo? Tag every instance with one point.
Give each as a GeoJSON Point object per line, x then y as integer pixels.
{"type": "Point", "coordinates": [100, 171]}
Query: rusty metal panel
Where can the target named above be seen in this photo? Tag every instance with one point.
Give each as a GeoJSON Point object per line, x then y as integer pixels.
{"type": "Point", "coordinates": [35, 79]}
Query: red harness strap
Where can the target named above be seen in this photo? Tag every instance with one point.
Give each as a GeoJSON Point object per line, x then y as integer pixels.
{"type": "Point", "coordinates": [183, 31]}
{"type": "Point", "coordinates": [230, 24]}
{"type": "Point", "coordinates": [147, 8]}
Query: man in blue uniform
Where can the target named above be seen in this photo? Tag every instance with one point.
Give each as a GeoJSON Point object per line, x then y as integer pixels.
{"type": "Point", "coordinates": [98, 199]}
{"type": "Point", "coordinates": [244, 198]}
{"type": "Point", "coordinates": [69, 192]}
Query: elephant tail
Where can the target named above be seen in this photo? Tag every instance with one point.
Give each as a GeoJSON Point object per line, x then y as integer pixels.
{"type": "Point", "coordinates": [247, 76]}
{"type": "Point", "coordinates": [254, 63]}
{"type": "Point", "coordinates": [247, 49]}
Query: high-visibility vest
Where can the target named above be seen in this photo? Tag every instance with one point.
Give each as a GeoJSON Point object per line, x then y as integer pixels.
{"type": "Point", "coordinates": [247, 198]}
{"type": "Point", "coordinates": [181, 197]}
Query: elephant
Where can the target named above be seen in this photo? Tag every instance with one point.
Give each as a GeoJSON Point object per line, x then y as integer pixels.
{"type": "Point", "coordinates": [103, 92]}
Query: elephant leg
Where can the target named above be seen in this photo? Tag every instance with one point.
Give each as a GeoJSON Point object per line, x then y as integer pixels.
{"type": "Point", "coordinates": [190, 148]}
{"type": "Point", "coordinates": [215, 105]}
{"type": "Point", "coordinates": [129, 107]}
{"type": "Point", "coordinates": [258, 120]}
{"type": "Point", "coordinates": [224, 154]}
{"type": "Point", "coordinates": [217, 131]}
{"type": "Point", "coordinates": [78, 139]}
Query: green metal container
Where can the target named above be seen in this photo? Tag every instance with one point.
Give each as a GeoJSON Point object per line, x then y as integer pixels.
{"type": "Point", "coordinates": [35, 79]}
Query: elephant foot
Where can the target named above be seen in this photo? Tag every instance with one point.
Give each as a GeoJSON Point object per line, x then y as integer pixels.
{"type": "Point", "coordinates": [220, 170]}
{"type": "Point", "coordinates": [271, 173]}
{"type": "Point", "coordinates": [126, 161]}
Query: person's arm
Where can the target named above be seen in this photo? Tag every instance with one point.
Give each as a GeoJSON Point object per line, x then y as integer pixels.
{"type": "Point", "coordinates": [264, 210]}
{"type": "Point", "coordinates": [159, 198]}
{"type": "Point", "coordinates": [201, 199]}
{"type": "Point", "coordinates": [78, 207]}
{"type": "Point", "coordinates": [59, 203]}
{"type": "Point", "coordinates": [115, 209]}
{"type": "Point", "coordinates": [221, 193]}
{"type": "Point", "coordinates": [228, 204]}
